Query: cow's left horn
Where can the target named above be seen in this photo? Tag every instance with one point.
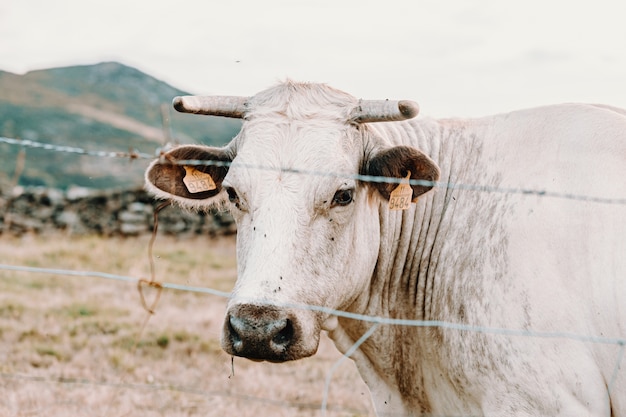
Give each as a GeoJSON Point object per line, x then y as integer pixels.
{"type": "Point", "coordinates": [370, 111]}
{"type": "Point", "coordinates": [225, 106]}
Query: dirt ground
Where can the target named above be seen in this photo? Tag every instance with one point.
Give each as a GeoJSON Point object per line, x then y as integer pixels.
{"type": "Point", "coordinates": [72, 345]}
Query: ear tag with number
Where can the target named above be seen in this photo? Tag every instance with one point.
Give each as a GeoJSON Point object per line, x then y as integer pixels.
{"type": "Point", "coordinates": [400, 198]}
{"type": "Point", "coordinates": [197, 181]}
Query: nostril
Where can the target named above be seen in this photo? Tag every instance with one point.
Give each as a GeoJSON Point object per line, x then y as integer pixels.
{"type": "Point", "coordinates": [284, 336]}
{"type": "Point", "coordinates": [234, 335]}
{"type": "Point", "coordinates": [260, 332]}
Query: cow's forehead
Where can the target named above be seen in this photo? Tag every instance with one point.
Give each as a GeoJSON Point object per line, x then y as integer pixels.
{"type": "Point", "coordinates": [296, 144]}
{"type": "Point", "coordinates": [299, 121]}
{"type": "Point", "coordinates": [298, 154]}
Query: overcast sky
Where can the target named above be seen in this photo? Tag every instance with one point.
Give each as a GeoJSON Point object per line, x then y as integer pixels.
{"type": "Point", "coordinates": [455, 57]}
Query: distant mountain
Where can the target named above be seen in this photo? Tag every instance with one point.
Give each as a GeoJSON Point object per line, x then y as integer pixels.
{"type": "Point", "coordinates": [107, 106]}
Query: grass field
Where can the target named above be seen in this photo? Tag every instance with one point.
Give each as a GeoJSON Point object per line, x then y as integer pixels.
{"type": "Point", "coordinates": [74, 346]}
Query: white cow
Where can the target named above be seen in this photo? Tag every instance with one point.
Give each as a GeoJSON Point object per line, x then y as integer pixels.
{"type": "Point", "coordinates": [482, 258]}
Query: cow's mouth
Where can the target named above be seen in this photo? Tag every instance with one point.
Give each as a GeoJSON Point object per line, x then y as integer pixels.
{"type": "Point", "coordinates": [267, 333]}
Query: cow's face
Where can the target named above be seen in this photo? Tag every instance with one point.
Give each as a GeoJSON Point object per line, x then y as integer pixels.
{"type": "Point", "coordinates": [306, 236]}
{"type": "Point", "coordinates": [307, 230]}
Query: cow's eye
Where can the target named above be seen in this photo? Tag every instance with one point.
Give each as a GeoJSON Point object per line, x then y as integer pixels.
{"type": "Point", "coordinates": [232, 195]}
{"type": "Point", "coordinates": [343, 197]}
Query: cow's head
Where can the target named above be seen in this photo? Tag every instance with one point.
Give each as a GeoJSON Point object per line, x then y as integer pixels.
{"type": "Point", "coordinates": [308, 230]}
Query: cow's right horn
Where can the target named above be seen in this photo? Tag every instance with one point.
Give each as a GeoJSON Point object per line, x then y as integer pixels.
{"type": "Point", "coordinates": [225, 106]}
{"type": "Point", "coordinates": [371, 111]}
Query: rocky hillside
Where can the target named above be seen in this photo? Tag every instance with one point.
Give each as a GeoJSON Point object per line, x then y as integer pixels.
{"type": "Point", "coordinates": [107, 106]}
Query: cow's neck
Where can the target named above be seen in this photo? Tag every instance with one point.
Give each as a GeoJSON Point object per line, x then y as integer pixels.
{"type": "Point", "coordinates": [405, 277]}
{"type": "Point", "coordinates": [411, 240]}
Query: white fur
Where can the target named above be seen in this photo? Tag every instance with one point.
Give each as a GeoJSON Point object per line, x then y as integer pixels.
{"type": "Point", "coordinates": [487, 259]}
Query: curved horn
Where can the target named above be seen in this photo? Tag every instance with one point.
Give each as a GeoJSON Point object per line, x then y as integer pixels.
{"type": "Point", "coordinates": [370, 111]}
{"type": "Point", "coordinates": [225, 106]}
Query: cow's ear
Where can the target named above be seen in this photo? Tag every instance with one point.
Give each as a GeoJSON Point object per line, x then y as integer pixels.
{"type": "Point", "coordinates": [194, 185]}
{"type": "Point", "coordinates": [396, 162]}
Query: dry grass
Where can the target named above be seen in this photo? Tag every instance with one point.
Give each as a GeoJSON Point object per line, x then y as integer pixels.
{"type": "Point", "coordinates": [74, 346]}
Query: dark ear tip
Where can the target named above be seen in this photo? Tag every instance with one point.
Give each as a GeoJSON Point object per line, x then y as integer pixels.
{"type": "Point", "coordinates": [396, 162]}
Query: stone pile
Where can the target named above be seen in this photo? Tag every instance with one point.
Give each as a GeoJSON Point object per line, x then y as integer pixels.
{"type": "Point", "coordinates": [107, 213]}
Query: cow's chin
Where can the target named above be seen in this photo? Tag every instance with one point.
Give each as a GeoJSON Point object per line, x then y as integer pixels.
{"type": "Point", "coordinates": [269, 333]}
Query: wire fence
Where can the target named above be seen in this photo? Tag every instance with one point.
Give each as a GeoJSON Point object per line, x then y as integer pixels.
{"type": "Point", "coordinates": [360, 177]}
{"type": "Point", "coordinates": [131, 154]}
{"type": "Point", "coordinates": [324, 407]}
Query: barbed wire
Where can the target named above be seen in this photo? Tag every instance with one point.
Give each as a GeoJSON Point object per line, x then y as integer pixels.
{"type": "Point", "coordinates": [358, 177]}
{"type": "Point", "coordinates": [394, 180]}
{"type": "Point", "coordinates": [376, 320]}
{"type": "Point", "coordinates": [327, 310]}
{"type": "Point", "coordinates": [131, 154]}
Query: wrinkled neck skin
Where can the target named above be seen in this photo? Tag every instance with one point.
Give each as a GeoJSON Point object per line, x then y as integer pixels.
{"type": "Point", "coordinates": [405, 276]}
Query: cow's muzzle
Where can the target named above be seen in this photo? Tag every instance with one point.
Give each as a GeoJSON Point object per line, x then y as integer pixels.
{"type": "Point", "coordinates": [269, 333]}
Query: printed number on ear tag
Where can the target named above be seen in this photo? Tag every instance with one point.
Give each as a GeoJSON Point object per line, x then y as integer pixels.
{"type": "Point", "coordinates": [400, 198]}
{"type": "Point", "coordinates": [198, 181]}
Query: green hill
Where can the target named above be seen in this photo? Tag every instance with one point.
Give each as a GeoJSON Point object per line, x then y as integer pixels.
{"type": "Point", "coordinates": [107, 106]}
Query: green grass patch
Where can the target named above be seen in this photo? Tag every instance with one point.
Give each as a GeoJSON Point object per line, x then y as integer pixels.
{"type": "Point", "coordinates": [50, 351]}
{"type": "Point", "coordinates": [11, 310]}
{"type": "Point", "coordinates": [76, 311]}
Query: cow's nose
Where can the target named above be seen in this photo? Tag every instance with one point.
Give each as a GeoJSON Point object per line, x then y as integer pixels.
{"type": "Point", "coordinates": [257, 332]}
{"type": "Point", "coordinates": [249, 334]}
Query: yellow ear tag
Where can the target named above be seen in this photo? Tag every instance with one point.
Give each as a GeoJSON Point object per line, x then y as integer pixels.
{"type": "Point", "coordinates": [198, 181]}
{"type": "Point", "coordinates": [400, 198]}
